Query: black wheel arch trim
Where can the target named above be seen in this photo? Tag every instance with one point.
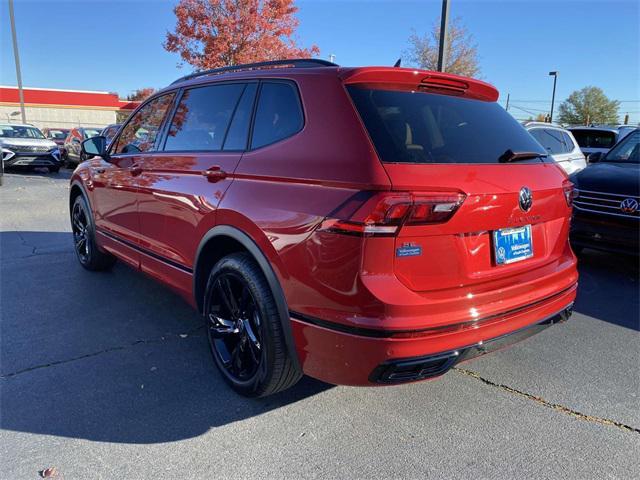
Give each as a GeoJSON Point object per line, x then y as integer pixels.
{"type": "Point", "coordinates": [247, 242]}
{"type": "Point", "coordinates": [80, 185]}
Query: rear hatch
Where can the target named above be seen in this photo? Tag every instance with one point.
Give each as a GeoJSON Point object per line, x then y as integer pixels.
{"type": "Point", "coordinates": [477, 203]}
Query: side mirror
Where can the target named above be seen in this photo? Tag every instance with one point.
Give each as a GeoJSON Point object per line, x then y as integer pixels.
{"type": "Point", "coordinates": [594, 157]}
{"type": "Point", "coordinates": [95, 146]}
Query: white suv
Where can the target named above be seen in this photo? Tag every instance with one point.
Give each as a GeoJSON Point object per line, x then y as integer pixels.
{"type": "Point", "coordinates": [560, 144]}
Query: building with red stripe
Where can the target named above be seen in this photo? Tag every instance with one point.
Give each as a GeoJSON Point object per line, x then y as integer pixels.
{"type": "Point", "coordinates": [47, 107]}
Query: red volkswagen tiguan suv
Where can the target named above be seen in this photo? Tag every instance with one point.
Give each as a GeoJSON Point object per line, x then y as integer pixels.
{"type": "Point", "coordinates": [364, 226]}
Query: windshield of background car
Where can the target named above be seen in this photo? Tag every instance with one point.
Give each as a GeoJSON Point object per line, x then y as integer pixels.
{"type": "Point", "coordinates": [626, 151]}
{"type": "Point", "coordinates": [20, 132]}
{"type": "Point", "coordinates": [417, 127]}
{"type": "Point", "coordinates": [59, 134]}
{"type": "Point", "coordinates": [90, 132]}
{"type": "Point", "coordinates": [594, 138]}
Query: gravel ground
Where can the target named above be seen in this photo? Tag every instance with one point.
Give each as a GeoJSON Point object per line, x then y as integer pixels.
{"type": "Point", "coordinates": [108, 376]}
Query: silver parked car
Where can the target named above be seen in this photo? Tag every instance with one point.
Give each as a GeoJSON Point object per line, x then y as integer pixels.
{"type": "Point", "coordinates": [560, 144]}
{"type": "Point", "coordinates": [26, 146]}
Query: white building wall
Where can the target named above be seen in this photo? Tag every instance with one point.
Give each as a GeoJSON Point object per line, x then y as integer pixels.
{"type": "Point", "coordinates": [59, 117]}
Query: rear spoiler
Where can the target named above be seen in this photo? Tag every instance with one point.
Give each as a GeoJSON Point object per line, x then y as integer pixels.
{"type": "Point", "coordinates": [424, 80]}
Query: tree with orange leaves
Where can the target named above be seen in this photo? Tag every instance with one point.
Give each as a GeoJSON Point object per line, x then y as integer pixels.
{"type": "Point", "coordinates": [217, 33]}
{"type": "Point", "coordinates": [141, 94]}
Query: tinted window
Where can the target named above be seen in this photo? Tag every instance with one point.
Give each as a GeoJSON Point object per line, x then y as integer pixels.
{"type": "Point", "coordinates": [418, 127]}
{"type": "Point", "coordinates": [568, 142]}
{"type": "Point", "coordinates": [110, 132]}
{"type": "Point", "coordinates": [552, 140]}
{"type": "Point", "coordinates": [8, 131]}
{"type": "Point", "coordinates": [594, 138]}
{"type": "Point", "coordinates": [278, 114]}
{"type": "Point", "coordinates": [627, 150]}
{"type": "Point", "coordinates": [90, 132]}
{"type": "Point", "coordinates": [202, 117]}
{"type": "Point", "coordinates": [139, 134]}
{"type": "Point", "coordinates": [239, 129]}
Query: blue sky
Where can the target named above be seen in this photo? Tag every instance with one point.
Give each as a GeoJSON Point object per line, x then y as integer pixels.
{"type": "Point", "coordinates": [117, 45]}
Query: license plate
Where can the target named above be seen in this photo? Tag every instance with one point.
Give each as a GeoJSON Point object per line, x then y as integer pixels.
{"type": "Point", "coordinates": [512, 244]}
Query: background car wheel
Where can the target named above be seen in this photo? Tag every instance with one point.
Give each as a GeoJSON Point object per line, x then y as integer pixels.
{"type": "Point", "coordinates": [244, 329]}
{"type": "Point", "coordinates": [577, 249]}
{"type": "Point", "coordinates": [84, 238]}
{"type": "Point", "coordinates": [54, 169]}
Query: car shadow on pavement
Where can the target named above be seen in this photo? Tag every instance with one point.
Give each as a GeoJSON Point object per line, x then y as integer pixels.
{"type": "Point", "coordinates": [110, 356]}
{"type": "Point", "coordinates": [609, 288]}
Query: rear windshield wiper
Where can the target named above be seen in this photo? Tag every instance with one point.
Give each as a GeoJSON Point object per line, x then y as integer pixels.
{"type": "Point", "coordinates": [511, 156]}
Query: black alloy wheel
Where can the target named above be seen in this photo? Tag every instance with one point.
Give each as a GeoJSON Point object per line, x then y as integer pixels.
{"type": "Point", "coordinates": [80, 229]}
{"type": "Point", "coordinates": [84, 241]}
{"type": "Point", "coordinates": [245, 330]}
{"type": "Point", "coordinates": [234, 327]}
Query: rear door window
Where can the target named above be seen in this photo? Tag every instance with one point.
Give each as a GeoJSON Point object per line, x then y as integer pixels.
{"type": "Point", "coordinates": [278, 114]}
{"type": "Point", "coordinates": [202, 118]}
{"type": "Point", "coordinates": [568, 142]}
{"type": "Point", "coordinates": [552, 140]}
{"type": "Point", "coordinates": [418, 127]}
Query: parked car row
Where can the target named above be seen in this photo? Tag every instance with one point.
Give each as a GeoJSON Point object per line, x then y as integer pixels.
{"type": "Point", "coordinates": [24, 145]}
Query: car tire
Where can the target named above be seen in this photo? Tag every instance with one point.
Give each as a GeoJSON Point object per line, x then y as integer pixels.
{"type": "Point", "coordinates": [84, 238]}
{"type": "Point", "coordinates": [248, 344]}
{"type": "Point", "coordinates": [54, 169]}
{"type": "Point", "coordinates": [577, 249]}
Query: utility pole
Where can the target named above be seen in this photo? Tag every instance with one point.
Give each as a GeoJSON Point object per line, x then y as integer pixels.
{"type": "Point", "coordinates": [553, 96]}
{"type": "Point", "coordinates": [16, 55]}
{"type": "Point", "coordinates": [444, 27]}
{"type": "Point", "coordinates": [507, 107]}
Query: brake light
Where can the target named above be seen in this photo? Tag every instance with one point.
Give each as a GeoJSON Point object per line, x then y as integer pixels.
{"type": "Point", "coordinates": [570, 193]}
{"type": "Point", "coordinates": [384, 214]}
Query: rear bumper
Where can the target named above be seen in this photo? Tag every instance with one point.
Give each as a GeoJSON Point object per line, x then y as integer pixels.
{"type": "Point", "coordinates": [422, 368]}
{"type": "Point", "coordinates": [340, 355]}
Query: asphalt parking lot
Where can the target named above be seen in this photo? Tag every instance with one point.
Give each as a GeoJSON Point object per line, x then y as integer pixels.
{"type": "Point", "coordinates": [107, 375]}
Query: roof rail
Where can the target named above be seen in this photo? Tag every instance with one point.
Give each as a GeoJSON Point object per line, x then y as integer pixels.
{"type": "Point", "coordinates": [296, 63]}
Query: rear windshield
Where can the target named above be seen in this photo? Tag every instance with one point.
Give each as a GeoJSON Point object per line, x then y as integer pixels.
{"type": "Point", "coordinates": [417, 127]}
{"type": "Point", "coordinates": [594, 138]}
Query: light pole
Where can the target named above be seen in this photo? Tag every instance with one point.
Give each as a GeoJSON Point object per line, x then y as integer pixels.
{"type": "Point", "coordinates": [16, 55]}
{"type": "Point", "coordinates": [553, 95]}
{"type": "Point", "coordinates": [444, 22]}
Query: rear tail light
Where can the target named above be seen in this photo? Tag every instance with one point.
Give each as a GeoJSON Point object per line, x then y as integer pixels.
{"type": "Point", "coordinates": [570, 193]}
{"type": "Point", "coordinates": [384, 214]}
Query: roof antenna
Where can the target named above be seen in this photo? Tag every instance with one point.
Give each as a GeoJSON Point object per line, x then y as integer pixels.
{"type": "Point", "coordinates": [397, 64]}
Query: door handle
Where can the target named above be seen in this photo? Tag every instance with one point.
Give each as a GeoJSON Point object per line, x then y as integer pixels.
{"type": "Point", "coordinates": [135, 169]}
{"type": "Point", "coordinates": [215, 174]}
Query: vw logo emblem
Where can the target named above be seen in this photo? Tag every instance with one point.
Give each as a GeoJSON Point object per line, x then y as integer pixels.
{"type": "Point", "coordinates": [629, 205]}
{"type": "Point", "coordinates": [525, 199]}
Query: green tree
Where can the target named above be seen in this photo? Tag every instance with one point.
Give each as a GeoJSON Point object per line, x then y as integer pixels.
{"type": "Point", "coordinates": [462, 56]}
{"type": "Point", "coordinates": [589, 105]}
